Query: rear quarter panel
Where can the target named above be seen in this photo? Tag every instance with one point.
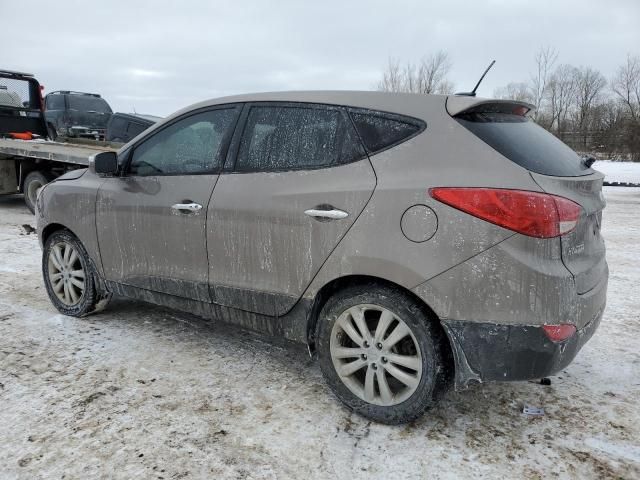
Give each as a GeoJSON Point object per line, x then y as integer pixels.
{"type": "Point", "coordinates": [445, 154]}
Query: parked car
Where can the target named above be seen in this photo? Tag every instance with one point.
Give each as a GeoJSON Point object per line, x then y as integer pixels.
{"type": "Point", "coordinates": [76, 114]}
{"type": "Point", "coordinates": [411, 241]}
{"type": "Point", "coordinates": [123, 127]}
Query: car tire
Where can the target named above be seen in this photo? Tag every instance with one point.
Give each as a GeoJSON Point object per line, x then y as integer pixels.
{"type": "Point", "coordinates": [374, 390]}
{"type": "Point", "coordinates": [32, 183]}
{"type": "Point", "coordinates": [52, 132]}
{"type": "Point", "coordinates": [68, 275]}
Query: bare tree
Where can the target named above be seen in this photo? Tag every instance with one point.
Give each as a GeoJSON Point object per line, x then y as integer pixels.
{"type": "Point", "coordinates": [519, 91]}
{"type": "Point", "coordinates": [626, 85]}
{"type": "Point", "coordinates": [392, 77]}
{"type": "Point", "coordinates": [561, 89]}
{"type": "Point", "coordinates": [589, 84]}
{"type": "Point", "coordinates": [446, 87]}
{"type": "Point", "coordinates": [432, 73]}
{"type": "Point", "coordinates": [545, 59]}
{"type": "Point", "coordinates": [608, 126]}
{"type": "Point", "coordinates": [428, 76]}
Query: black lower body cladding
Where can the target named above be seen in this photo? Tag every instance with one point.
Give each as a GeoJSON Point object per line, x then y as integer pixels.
{"type": "Point", "coordinates": [489, 352]}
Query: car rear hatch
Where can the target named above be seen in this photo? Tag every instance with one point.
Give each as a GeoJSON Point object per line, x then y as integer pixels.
{"type": "Point", "coordinates": [88, 111]}
{"type": "Point", "coordinates": [583, 251]}
{"type": "Point", "coordinates": [556, 168]}
{"type": "Point", "coordinates": [95, 120]}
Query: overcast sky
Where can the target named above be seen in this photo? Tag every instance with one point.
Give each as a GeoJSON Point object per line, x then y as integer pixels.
{"type": "Point", "coordinates": [158, 56]}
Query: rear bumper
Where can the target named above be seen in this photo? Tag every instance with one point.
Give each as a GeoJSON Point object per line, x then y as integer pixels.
{"type": "Point", "coordinates": [488, 352]}
{"type": "Point", "coordinates": [87, 132]}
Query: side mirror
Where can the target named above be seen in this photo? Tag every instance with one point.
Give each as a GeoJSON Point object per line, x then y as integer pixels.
{"type": "Point", "coordinates": [105, 163]}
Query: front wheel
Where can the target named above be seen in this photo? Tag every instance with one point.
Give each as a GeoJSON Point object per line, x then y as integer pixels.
{"type": "Point", "coordinates": [380, 353]}
{"type": "Point", "coordinates": [67, 273]}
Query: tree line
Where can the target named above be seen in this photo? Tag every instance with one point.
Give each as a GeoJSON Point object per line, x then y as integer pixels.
{"type": "Point", "coordinates": [578, 104]}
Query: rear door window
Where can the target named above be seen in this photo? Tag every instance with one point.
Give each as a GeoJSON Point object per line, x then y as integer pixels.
{"type": "Point", "coordinates": [525, 143]}
{"type": "Point", "coordinates": [280, 138]}
{"type": "Point", "coordinates": [379, 130]}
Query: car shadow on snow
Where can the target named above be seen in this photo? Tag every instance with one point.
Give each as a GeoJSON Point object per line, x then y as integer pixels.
{"type": "Point", "coordinates": [501, 402]}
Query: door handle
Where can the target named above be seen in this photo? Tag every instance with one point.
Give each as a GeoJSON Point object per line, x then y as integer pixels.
{"type": "Point", "coordinates": [187, 207]}
{"type": "Point", "coordinates": [333, 214]}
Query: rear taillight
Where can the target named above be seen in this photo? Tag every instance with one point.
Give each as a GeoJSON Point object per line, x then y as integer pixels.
{"type": "Point", "coordinates": [559, 333]}
{"type": "Point", "coordinates": [531, 213]}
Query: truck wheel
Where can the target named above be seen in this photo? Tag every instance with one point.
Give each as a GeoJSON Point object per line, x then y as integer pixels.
{"type": "Point", "coordinates": [68, 274]}
{"type": "Point", "coordinates": [32, 183]}
{"type": "Point", "coordinates": [381, 353]}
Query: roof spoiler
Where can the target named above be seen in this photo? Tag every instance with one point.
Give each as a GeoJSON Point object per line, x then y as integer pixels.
{"type": "Point", "coordinates": [73, 92]}
{"type": "Point", "coordinates": [457, 105]}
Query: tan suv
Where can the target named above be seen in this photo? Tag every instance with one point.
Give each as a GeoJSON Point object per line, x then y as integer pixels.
{"type": "Point", "coordinates": [411, 241]}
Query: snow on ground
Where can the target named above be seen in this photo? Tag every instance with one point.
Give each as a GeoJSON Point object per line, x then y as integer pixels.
{"type": "Point", "coordinates": [140, 391]}
{"type": "Point", "coordinates": [626, 172]}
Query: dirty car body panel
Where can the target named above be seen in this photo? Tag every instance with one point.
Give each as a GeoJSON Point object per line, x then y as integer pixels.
{"type": "Point", "coordinates": [283, 217]}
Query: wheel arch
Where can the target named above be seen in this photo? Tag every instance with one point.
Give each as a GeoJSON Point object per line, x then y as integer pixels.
{"type": "Point", "coordinates": [51, 229]}
{"type": "Point", "coordinates": [340, 283]}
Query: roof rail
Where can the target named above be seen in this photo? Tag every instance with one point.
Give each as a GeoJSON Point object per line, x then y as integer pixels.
{"type": "Point", "coordinates": [17, 74]}
{"type": "Point", "coordinates": [71, 92]}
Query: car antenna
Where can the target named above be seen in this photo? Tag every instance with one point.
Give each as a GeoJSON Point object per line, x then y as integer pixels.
{"type": "Point", "coordinates": [472, 93]}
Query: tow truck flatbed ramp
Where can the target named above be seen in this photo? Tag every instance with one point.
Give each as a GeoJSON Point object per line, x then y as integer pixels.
{"type": "Point", "coordinates": [54, 151]}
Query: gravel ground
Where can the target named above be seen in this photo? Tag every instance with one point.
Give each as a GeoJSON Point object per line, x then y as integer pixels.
{"type": "Point", "coordinates": [139, 391]}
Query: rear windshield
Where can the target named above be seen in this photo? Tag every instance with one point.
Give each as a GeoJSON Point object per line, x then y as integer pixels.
{"type": "Point", "coordinates": [524, 142]}
{"type": "Point", "coordinates": [87, 103]}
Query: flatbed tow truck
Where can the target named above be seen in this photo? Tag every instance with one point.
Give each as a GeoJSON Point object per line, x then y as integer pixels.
{"type": "Point", "coordinates": [28, 159]}
{"type": "Point", "coordinates": [27, 165]}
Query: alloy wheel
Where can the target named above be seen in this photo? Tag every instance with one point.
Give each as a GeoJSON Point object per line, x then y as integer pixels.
{"type": "Point", "coordinates": [66, 273]}
{"type": "Point", "coordinates": [376, 355]}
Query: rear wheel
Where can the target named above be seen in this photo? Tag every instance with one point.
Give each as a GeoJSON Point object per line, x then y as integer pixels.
{"type": "Point", "coordinates": [380, 353]}
{"type": "Point", "coordinates": [68, 276]}
{"type": "Point", "coordinates": [33, 182]}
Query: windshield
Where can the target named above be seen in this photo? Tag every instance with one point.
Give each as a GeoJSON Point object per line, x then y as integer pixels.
{"type": "Point", "coordinates": [524, 142]}
{"type": "Point", "coordinates": [87, 103]}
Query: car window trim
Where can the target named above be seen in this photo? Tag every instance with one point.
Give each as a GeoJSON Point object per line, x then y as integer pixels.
{"type": "Point", "coordinates": [231, 168]}
{"type": "Point", "coordinates": [225, 142]}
